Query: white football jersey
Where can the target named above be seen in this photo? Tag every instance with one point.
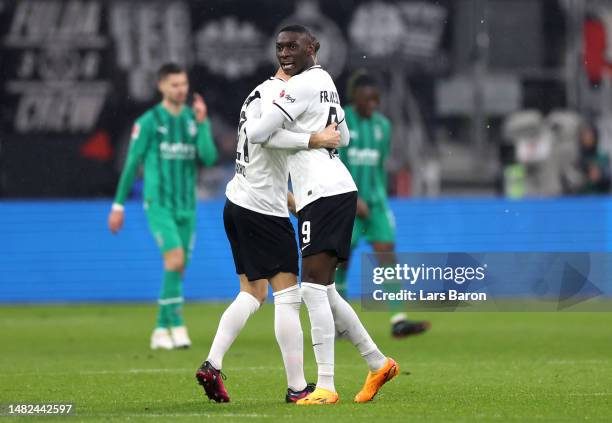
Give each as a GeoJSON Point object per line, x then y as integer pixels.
{"type": "Point", "coordinates": [260, 182]}
{"type": "Point", "coordinates": [310, 102]}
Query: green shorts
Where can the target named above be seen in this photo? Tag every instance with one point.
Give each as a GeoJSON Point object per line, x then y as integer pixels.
{"type": "Point", "coordinates": [172, 230]}
{"type": "Point", "coordinates": [379, 226]}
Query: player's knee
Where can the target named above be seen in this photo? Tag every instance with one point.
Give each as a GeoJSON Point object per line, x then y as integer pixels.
{"type": "Point", "coordinates": [261, 293]}
{"type": "Point", "coordinates": [315, 276]}
{"type": "Point", "coordinates": [175, 262]}
{"type": "Point", "coordinates": [257, 289]}
{"type": "Point", "coordinates": [258, 294]}
{"type": "Point", "coordinates": [383, 247]}
{"type": "Point", "coordinates": [174, 266]}
{"type": "Point", "coordinates": [261, 298]}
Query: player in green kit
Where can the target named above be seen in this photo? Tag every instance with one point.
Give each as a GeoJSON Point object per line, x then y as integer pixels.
{"type": "Point", "coordinates": [168, 139]}
{"type": "Point", "coordinates": [365, 158]}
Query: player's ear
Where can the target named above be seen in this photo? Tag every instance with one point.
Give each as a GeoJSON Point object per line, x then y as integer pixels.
{"type": "Point", "coordinates": [309, 46]}
{"type": "Point", "coordinates": [311, 49]}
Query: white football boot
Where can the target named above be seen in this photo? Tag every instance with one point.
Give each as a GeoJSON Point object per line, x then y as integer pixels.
{"type": "Point", "coordinates": [161, 340]}
{"type": "Point", "coordinates": [180, 338]}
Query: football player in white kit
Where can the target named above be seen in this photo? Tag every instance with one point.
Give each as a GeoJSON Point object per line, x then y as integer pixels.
{"type": "Point", "coordinates": [325, 200]}
{"type": "Point", "coordinates": [263, 244]}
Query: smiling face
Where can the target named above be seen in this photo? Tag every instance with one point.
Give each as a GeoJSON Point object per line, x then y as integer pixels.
{"type": "Point", "coordinates": [294, 51]}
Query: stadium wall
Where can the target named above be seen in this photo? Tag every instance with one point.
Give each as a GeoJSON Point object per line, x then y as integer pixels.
{"type": "Point", "coordinates": [63, 252]}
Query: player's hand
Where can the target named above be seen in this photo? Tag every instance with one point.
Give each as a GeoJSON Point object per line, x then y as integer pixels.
{"type": "Point", "coordinates": [199, 108]}
{"type": "Point", "coordinates": [363, 211]}
{"type": "Point", "coordinates": [115, 220]}
{"type": "Point", "coordinates": [291, 203]}
{"type": "Point", "coordinates": [327, 138]}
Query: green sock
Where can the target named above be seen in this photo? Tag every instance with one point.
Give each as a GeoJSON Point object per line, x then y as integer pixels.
{"type": "Point", "coordinates": [396, 307]}
{"type": "Point", "coordinates": [163, 320]}
{"type": "Point", "coordinates": [341, 282]}
{"type": "Point", "coordinates": [171, 301]}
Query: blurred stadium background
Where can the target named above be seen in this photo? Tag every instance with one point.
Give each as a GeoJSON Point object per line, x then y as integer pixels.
{"type": "Point", "coordinates": [487, 101]}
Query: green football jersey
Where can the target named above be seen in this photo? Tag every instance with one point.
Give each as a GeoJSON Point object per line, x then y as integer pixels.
{"type": "Point", "coordinates": [169, 146]}
{"type": "Point", "coordinates": [367, 153]}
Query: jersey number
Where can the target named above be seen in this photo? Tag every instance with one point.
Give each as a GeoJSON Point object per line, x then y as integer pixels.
{"type": "Point", "coordinates": [244, 154]}
{"type": "Point", "coordinates": [306, 232]}
{"type": "Point", "coordinates": [332, 117]}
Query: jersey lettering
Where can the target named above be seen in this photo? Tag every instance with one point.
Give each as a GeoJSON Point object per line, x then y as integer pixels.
{"type": "Point", "coordinates": [329, 97]}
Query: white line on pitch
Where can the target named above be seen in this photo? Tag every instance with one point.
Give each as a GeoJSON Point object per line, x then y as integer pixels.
{"type": "Point", "coordinates": [156, 370]}
{"type": "Point", "coordinates": [592, 394]}
{"type": "Point", "coordinates": [590, 361]}
{"type": "Point", "coordinates": [252, 415]}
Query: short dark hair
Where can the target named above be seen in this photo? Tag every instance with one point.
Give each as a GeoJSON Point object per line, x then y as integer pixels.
{"type": "Point", "coordinates": [360, 78]}
{"type": "Point", "coordinates": [364, 80]}
{"type": "Point", "coordinates": [301, 29]}
{"type": "Point", "coordinates": [169, 69]}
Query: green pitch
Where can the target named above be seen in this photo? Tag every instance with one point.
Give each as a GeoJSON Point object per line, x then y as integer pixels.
{"type": "Point", "coordinates": [469, 367]}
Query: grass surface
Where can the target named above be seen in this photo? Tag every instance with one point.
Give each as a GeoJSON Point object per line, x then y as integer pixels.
{"type": "Point", "coordinates": [470, 367]}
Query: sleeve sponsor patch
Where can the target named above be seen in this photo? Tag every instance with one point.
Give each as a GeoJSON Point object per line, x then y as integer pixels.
{"type": "Point", "coordinates": [286, 98]}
